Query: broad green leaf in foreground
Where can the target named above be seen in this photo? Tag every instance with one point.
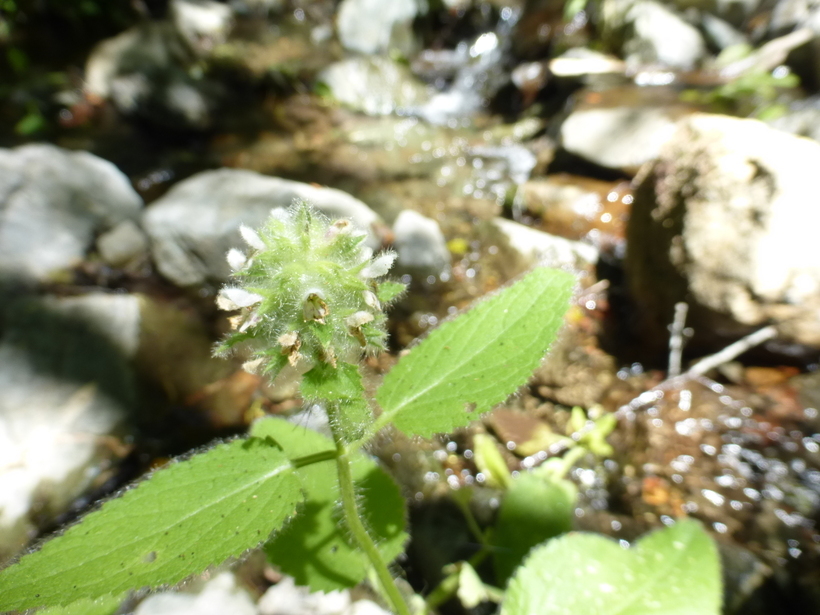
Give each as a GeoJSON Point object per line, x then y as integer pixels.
{"type": "Point", "coordinates": [534, 509]}
{"type": "Point", "coordinates": [674, 571]}
{"type": "Point", "coordinates": [470, 364]}
{"type": "Point", "coordinates": [315, 548]}
{"type": "Point", "coordinates": [100, 606]}
{"type": "Point", "coordinates": [185, 518]}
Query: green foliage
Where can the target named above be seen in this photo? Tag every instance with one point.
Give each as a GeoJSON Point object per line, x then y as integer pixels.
{"type": "Point", "coordinates": [470, 364]}
{"type": "Point", "coordinates": [315, 548]}
{"type": "Point", "coordinates": [235, 494]}
{"type": "Point", "coordinates": [534, 509]}
{"type": "Point", "coordinates": [756, 93]}
{"type": "Point", "coordinates": [674, 571]}
{"type": "Point", "coordinates": [307, 295]}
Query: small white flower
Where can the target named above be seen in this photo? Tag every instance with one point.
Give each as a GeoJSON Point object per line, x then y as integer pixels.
{"type": "Point", "coordinates": [379, 267]}
{"type": "Point", "coordinates": [251, 238]}
{"type": "Point", "coordinates": [357, 319]}
{"type": "Point", "coordinates": [371, 300]}
{"type": "Point", "coordinates": [252, 320]}
{"type": "Point", "coordinates": [236, 259]}
{"type": "Point", "coordinates": [365, 254]}
{"type": "Point", "coordinates": [280, 213]}
{"type": "Point", "coordinates": [252, 367]}
{"type": "Point", "coordinates": [232, 298]}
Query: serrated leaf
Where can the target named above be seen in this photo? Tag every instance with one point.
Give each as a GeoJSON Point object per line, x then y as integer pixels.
{"type": "Point", "coordinates": [674, 571]}
{"type": "Point", "coordinates": [472, 363]}
{"type": "Point", "coordinates": [315, 548]}
{"type": "Point", "coordinates": [533, 510]}
{"type": "Point", "coordinates": [388, 291]}
{"type": "Point", "coordinates": [186, 517]}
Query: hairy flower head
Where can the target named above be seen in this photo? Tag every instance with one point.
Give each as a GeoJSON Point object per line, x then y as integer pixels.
{"type": "Point", "coordinates": [306, 290]}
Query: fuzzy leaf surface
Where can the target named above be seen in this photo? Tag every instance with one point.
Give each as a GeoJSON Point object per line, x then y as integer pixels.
{"type": "Point", "coordinates": [186, 517]}
{"type": "Point", "coordinates": [533, 510]}
{"type": "Point", "coordinates": [470, 364]}
{"type": "Point", "coordinates": [674, 571]}
{"type": "Point", "coordinates": [315, 548]}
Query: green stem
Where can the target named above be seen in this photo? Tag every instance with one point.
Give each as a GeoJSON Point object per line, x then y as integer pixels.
{"type": "Point", "coordinates": [354, 522]}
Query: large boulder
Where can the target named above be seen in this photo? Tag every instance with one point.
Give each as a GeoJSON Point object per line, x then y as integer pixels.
{"type": "Point", "coordinates": [194, 225]}
{"type": "Point", "coordinates": [53, 203]}
{"type": "Point", "coordinates": [727, 219]}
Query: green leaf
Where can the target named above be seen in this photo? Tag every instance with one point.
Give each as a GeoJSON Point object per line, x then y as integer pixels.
{"type": "Point", "coordinates": [489, 462]}
{"type": "Point", "coordinates": [674, 571]}
{"type": "Point", "coordinates": [534, 509]}
{"type": "Point", "coordinates": [186, 517]}
{"type": "Point", "coordinates": [314, 548]}
{"type": "Point", "coordinates": [388, 291]}
{"type": "Point", "coordinates": [470, 364]}
{"type": "Point", "coordinates": [100, 606]}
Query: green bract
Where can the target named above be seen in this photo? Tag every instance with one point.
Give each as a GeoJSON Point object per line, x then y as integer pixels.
{"type": "Point", "coordinates": [307, 292]}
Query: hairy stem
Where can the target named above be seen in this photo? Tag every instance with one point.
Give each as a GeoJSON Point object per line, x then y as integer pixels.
{"type": "Point", "coordinates": [354, 522]}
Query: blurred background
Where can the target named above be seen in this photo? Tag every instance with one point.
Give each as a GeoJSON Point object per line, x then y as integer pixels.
{"type": "Point", "coordinates": [662, 151]}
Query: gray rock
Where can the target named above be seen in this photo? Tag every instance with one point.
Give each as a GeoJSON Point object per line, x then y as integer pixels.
{"type": "Point", "coordinates": [721, 33]}
{"type": "Point", "coordinates": [662, 36]}
{"type": "Point", "coordinates": [65, 383]}
{"type": "Point", "coordinates": [374, 85]}
{"type": "Point", "coordinates": [286, 598]}
{"type": "Point", "coordinates": [203, 24]}
{"type": "Point", "coordinates": [420, 244]}
{"type": "Point", "coordinates": [377, 26]}
{"type": "Point", "coordinates": [727, 220]}
{"type": "Point", "coordinates": [122, 244]}
{"type": "Point", "coordinates": [144, 72]}
{"type": "Point", "coordinates": [549, 250]}
{"type": "Point", "coordinates": [194, 225]}
{"type": "Point", "coordinates": [52, 203]}
{"type": "Point", "coordinates": [619, 137]}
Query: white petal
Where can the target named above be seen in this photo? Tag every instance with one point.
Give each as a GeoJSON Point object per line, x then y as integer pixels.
{"type": "Point", "coordinates": [371, 300]}
{"type": "Point", "coordinates": [365, 253]}
{"type": "Point", "coordinates": [231, 298]}
{"type": "Point", "coordinates": [280, 213]}
{"type": "Point", "coordinates": [252, 367]}
{"type": "Point", "coordinates": [380, 266]}
{"type": "Point", "coordinates": [236, 259]}
{"type": "Point", "coordinates": [251, 238]}
{"type": "Point", "coordinates": [357, 319]}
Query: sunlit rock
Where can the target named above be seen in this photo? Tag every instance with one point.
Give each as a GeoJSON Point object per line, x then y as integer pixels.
{"type": "Point", "coordinates": [65, 386]}
{"type": "Point", "coordinates": [420, 244]}
{"type": "Point", "coordinates": [194, 225]}
{"type": "Point", "coordinates": [377, 26]}
{"type": "Point", "coordinates": [727, 220]}
{"type": "Point", "coordinates": [52, 204]}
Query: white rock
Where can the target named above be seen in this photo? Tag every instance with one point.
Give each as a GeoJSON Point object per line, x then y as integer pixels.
{"type": "Point", "coordinates": [220, 596]}
{"type": "Point", "coordinates": [285, 598]}
{"type": "Point", "coordinates": [619, 137]}
{"type": "Point", "coordinates": [193, 226]}
{"type": "Point", "coordinates": [660, 35]}
{"type": "Point", "coordinates": [202, 23]}
{"type": "Point", "coordinates": [64, 384]}
{"type": "Point", "coordinates": [420, 244]}
{"type": "Point", "coordinates": [52, 204]}
{"type": "Point", "coordinates": [377, 26]}
{"type": "Point", "coordinates": [374, 85]}
{"type": "Point", "coordinates": [122, 244]}
{"type": "Point", "coordinates": [727, 219]}
{"type": "Point", "coordinates": [549, 250]}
